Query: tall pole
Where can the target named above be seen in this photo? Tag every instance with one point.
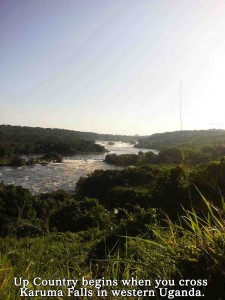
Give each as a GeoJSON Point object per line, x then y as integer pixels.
{"type": "Point", "coordinates": [181, 125]}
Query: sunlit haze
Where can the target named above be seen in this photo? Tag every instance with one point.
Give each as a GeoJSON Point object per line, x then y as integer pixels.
{"type": "Point", "coordinates": [113, 66]}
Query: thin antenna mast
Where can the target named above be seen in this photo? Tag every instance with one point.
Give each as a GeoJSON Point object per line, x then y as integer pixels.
{"type": "Point", "coordinates": [181, 125]}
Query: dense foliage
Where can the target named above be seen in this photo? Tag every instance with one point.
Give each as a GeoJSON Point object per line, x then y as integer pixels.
{"type": "Point", "coordinates": [52, 144]}
{"type": "Point", "coordinates": [110, 196]}
{"type": "Point", "coordinates": [16, 140]}
{"type": "Point", "coordinates": [169, 155]}
{"type": "Point", "coordinates": [186, 138]}
{"type": "Point", "coordinates": [166, 211]}
{"type": "Point", "coordinates": [109, 205]}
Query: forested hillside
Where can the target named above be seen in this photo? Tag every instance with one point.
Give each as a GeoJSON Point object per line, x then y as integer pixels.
{"type": "Point", "coordinates": [37, 135]}
{"type": "Point", "coordinates": [118, 224]}
{"type": "Point", "coordinates": [52, 144]}
{"type": "Point", "coordinates": [17, 140]}
{"type": "Point", "coordinates": [162, 218]}
{"type": "Point", "coordinates": [186, 138]}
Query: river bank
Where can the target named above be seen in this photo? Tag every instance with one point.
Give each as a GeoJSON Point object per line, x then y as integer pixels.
{"type": "Point", "coordinates": [45, 178]}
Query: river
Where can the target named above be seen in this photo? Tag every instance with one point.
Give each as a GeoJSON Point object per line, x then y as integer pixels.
{"type": "Point", "coordinates": [54, 176]}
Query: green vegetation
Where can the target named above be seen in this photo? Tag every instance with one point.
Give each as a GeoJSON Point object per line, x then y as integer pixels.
{"type": "Point", "coordinates": [162, 218]}
{"type": "Point", "coordinates": [191, 252]}
{"type": "Point", "coordinates": [186, 138]}
{"type": "Point", "coordinates": [17, 161]}
{"type": "Point", "coordinates": [121, 160]}
{"type": "Point", "coordinates": [16, 140]}
{"type": "Point", "coordinates": [169, 155]}
{"type": "Point", "coordinates": [74, 231]}
{"type": "Point", "coordinates": [52, 143]}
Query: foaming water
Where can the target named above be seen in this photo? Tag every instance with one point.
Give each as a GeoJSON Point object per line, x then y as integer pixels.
{"type": "Point", "coordinates": [55, 176]}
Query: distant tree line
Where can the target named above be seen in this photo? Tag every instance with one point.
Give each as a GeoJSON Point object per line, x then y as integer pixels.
{"type": "Point", "coordinates": [112, 200]}
{"type": "Point", "coordinates": [85, 227]}
{"type": "Point", "coordinates": [39, 136]}
{"type": "Point", "coordinates": [186, 138]}
{"type": "Point", "coordinates": [16, 141]}
{"type": "Point", "coordinates": [170, 155]}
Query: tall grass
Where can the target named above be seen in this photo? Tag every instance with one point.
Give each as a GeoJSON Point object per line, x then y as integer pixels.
{"type": "Point", "coordinates": [193, 248]}
{"type": "Point", "coordinates": [55, 256]}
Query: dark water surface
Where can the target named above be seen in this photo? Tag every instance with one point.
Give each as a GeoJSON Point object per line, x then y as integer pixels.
{"type": "Point", "coordinates": [54, 176]}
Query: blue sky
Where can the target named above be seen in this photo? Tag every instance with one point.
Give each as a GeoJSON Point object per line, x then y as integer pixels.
{"type": "Point", "coordinates": [113, 66]}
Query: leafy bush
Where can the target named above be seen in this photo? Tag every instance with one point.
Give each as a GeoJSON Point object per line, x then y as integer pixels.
{"type": "Point", "coordinates": [192, 249]}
